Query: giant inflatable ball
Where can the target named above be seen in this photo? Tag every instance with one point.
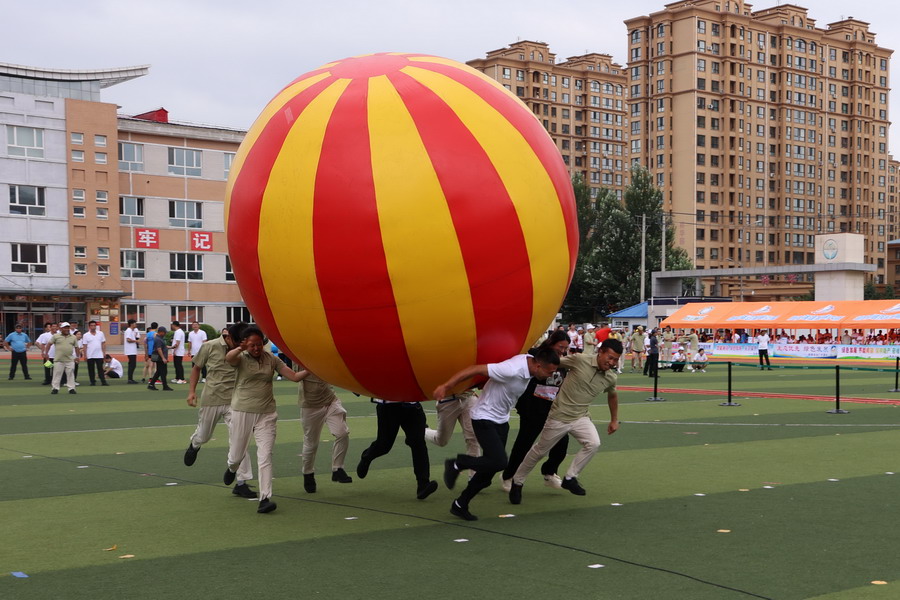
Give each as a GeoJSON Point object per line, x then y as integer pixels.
{"type": "Point", "coordinates": [393, 218]}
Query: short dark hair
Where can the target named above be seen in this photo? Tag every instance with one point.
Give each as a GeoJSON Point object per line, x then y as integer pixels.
{"type": "Point", "coordinates": [131, 322]}
{"type": "Point", "coordinates": [154, 325]}
{"type": "Point", "coordinates": [236, 331]}
{"type": "Point", "coordinates": [612, 344]}
{"type": "Point", "coordinates": [253, 330]}
{"type": "Point", "coordinates": [176, 324]}
{"type": "Point", "coordinates": [92, 322]}
{"type": "Point", "coordinates": [546, 356]}
{"type": "Point", "coordinates": [555, 338]}
{"type": "Point", "coordinates": [108, 356]}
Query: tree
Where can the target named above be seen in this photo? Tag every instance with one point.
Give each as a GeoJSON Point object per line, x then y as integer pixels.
{"type": "Point", "coordinates": [870, 292]}
{"type": "Point", "coordinates": [607, 275]}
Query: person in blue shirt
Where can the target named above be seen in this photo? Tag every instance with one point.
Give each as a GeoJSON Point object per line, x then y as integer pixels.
{"type": "Point", "coordinates": [17, 342]}
{"type": "Point", "coordinates": [148, 347]}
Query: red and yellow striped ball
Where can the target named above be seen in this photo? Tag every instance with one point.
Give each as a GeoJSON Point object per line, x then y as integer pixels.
{"type": "Point", "coordinates": [392, 218]}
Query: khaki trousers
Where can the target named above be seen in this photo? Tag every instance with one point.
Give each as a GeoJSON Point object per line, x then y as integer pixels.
{"type": "Point", "coordinates": [206, 425]}
{"type": "Point", "coordinates": [448, 413]}
{"type": "Point", "coordinates": [335, 416]}
{"type": "Point", "coordinates": [69, 369]}
{"type": "Point", "coordinates": [582, 429]}
{"type": "Point", "coordinates": [262, 427]}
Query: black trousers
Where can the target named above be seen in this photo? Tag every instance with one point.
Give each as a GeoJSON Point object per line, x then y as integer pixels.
{"type": "Point", "coordinates": [18, 358]}
{"type": "Point", "coordinates": [652, 365]}
{"type": "Point", "coordinates": [132, 365]}
{"type": "Point", "coordinates": [96, 363]}
{"type": "Point", "coordinates": [179, 368]}
{"type": "Point", "coordinates": [678, 367]}
{"type": "Point", "coordinates": [764, 354]}
{"type": "Point", "coordinates": [492, 439]}
{"type": "Point", "coordinates": [48, 373]}
{"type": "Point", "coordinates": [530, 427]}
{"type": "Point", "coordinates": [410, 417]}
{"type": "Point", "coordinates": [162, 370]}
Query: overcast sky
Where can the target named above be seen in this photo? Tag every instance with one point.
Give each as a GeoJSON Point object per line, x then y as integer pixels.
{"type": "Point", "coordinates": [220, 62]}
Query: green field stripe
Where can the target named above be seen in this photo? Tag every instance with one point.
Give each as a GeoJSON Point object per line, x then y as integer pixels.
{"type": "Point", "coordinates": [887, 591]}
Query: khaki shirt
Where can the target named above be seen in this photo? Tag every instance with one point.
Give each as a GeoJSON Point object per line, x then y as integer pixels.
{"type": "Point", "coordinates": [637, 341]}
{"type": "Point", "coordinates": [315, 393]}
{"type": "Point", "coordinates": [668, 337]}
{"type": "Point", "coordinates": [220, 375]}
{"type": "Point", "coordinates": [253, 383]}
{"type": "Point", "coordinates": [65, 345]}
{"type": "Point", "coordinates": [582, 385]}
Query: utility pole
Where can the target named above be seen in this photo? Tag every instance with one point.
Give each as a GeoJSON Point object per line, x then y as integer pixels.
{"type": "Point", "coordinates": [663, 258]}
{"type": "Point", "coordinates": [643, 253]}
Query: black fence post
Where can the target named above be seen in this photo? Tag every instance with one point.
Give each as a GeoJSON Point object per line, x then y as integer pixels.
{"type": "Point", "coordinates": [896, 376]}
{"type": "Point", "coordinates": [729, 403]}
{"type": "Point", "coordinates": [837, 410]}
{"type": "Point", "coordinates": [655, 397]}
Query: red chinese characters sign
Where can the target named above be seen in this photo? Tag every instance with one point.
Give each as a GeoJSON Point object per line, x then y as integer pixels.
{"type": "Point", "coordinates": [201, 241]}
{"type": "Point", "coordinates": [146, 238]}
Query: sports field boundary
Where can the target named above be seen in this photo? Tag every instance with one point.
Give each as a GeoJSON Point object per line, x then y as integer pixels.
{"type": "Point", "coordinates": [703, 392]}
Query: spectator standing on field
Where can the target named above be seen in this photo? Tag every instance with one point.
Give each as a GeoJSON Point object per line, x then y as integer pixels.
{"type": "Point", "coordinates": [637, 348]}
{"type": "Point", "coordinates": [17, 342]}
{"type": "Point", "coordinates": [196, 338]}
{"type": "Point", "coordinates": [132, 336]}
{"type": "Point", "coordinates": [763, 340]}
{"type": "Point", "coordinates": [93, 350]}
{"type": "Point", "coordinates": [148, 351]}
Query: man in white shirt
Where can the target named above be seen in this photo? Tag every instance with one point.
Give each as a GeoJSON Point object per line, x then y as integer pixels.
{"type": "Point", "coordinates": [678, 361]}
{"type": "Point", "coordinates": [700, 359]}
{"type": "Point", "coordinates": [112, 368]}
{"type": "Point", "coordinates": [763, 340]}
{"type": "Point", "coordinates": [196, 337]}
{"type": "Point", "coordinates": [132, 337]}
{"type": "Point", "coordinates": [490, 419]}
{"type": "Point", "coordinates": [94, 349]}
{"type": "Point", "coordinates": [47, 350]}
{"type": "Point", "coordinates": [178, 352]}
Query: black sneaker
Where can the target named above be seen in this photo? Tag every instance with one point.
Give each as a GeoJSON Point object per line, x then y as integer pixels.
{"type": "Point", "coordinates": [450, 473]}
{"type": "Point", "coordinates": [229, 476]}
{"type": "Point", "coordinates": [573, 486]}
{"type": "Point", "coordinates": [168, 389]}
{"type": "Point", "coordinates": [515, 493]}
{"type": "Point", "coordinates": [462, 513]}
{"type": "Point", "coordinates": [152, 387]}
{"type": "Point", "coordinates": [243, 490]}
{"type": "Point", "coordinates": [54, 391]}
{"type": "Point", "coordinates": [104, 383]}
{"type": "Point", "coordinates": [362, 469]}
{"type": "Point", "coordinates": [426, 489]}
{"type": "Point", "coordinates": [309, 483]}
{"type": "Point", "coordinates": [132, 381]}
{"type": "Point", "coordinates": [190, 455]}
{"type": "Point", "coordinates": [72, 391]}
{"type": "Point", "coordinates": [340, 475]}
{"type": "Point", "coordinates": [266, 506]}
{"type": "Point", "coordinates": [28, 379]}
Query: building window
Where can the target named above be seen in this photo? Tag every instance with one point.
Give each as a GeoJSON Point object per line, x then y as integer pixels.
{"type": "Point", "coordinates": [80, 269]}
{"type": "Point", "coordinates": [76, 138]}
{"type": "Point", "coordinates": [183, 161]}
{"type": "Point", "coordinates": [26, 200]}
{"type": "Point", "coordinates": [131, 157]}
{"type": "Point", "coordinates": [78, 212]}
{"type": "Point", "coordinates": [100, 141]}
{"type": "Point", "coordinates": [236, 314]}
{"type": "Point", "coordinates": [103, 214]}
{"type": "Point", "coordinates": [28, 258]}
{"type": "Point", "coordinates": [102, 196]}
{"type": "Point", "coordinates": [24, 141]}
{"type": "Point", "coordinates": [186, 314]}
{"type": "Point", "coordinates": [103, 270]}
{"type": "Point", "coordinates": [131, 210]}
{"type": "Point", "coordinates": [229, 160]}
{"type": "Point", "coordinates": [78, 156]}
{"type": "Point", "coordinates": [100, 158]}
{"type": "Point", "coordinates": [183, 213]}
{"type": "Point", "coordinates": [185, 266]}
{"type": "Point", "coordinates": [229, 271]}
{"type": "Point", "coordinates": [103, 253]}
{"type": "Point", "coordinates": [132, 262]}
{"type": "Point", "coordinates": [77, 195]}
{"type": "Point", "coordinates": [80, 252]}
{"type": "Point", "coordinates": [138, 312]}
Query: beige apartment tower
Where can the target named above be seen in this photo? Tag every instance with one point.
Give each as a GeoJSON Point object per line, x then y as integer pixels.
{"type": "Point", "coordinates": [581, 102]}
{"type": "Point", "coordinates": [762, 129]}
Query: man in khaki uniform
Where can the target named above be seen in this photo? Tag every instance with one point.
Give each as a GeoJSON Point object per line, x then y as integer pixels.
{"type": "Point", "coordinates": [450, 410]}
{"type": "Point", "coordinates": [588, 377]}
{"type": "Point", "coordinates": [667, 337]}
{"type": "Point", "coordinates": [215, 404]}
{"type": "Point", "coordinates": [637, 349]}
{"type": "Point", "coordinates": [319, 406]}
{"type": "Point", "coordinates": [64, 343]}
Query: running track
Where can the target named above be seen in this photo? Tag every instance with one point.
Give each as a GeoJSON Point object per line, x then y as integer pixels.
{"type": "Point", "coordinates": [757, 395]}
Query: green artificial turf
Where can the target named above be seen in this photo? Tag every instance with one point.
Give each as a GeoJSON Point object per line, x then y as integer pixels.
{"type": "Point", "coordinates": [94, 471]}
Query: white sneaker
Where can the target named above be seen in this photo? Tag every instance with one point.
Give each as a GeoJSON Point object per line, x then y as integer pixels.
{"type": "Point", "coordinates": [553, 481]}
{"type": "Point", "coordinates": [76, 383]}
{"type": "Point", "coordinates": [506, 485]}
{"type": "Point", "coordinates": [278, 378]}
{"type": "Point", "coordinates": [175, 381]}
{"type": "Point", "coordinates": [203, 380]}
{"type": "Point", "coordinates": [703, 370]}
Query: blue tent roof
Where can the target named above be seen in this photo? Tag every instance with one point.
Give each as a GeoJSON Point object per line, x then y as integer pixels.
{"type": "Point", "coordinates": [638, 311]}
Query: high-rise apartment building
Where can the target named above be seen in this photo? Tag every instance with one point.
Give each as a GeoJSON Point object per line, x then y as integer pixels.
{"type": "Point", "coordinates": [581, 102]}
{"type": "Point", "coordinates": [762, 129]}
{"type": "Point", "coordinates": [108, 217]}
